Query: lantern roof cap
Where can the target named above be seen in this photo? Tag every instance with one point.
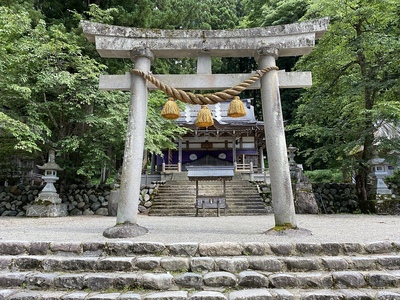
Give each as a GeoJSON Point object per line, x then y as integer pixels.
{"type": "Point", "coordinates": [51, 164]}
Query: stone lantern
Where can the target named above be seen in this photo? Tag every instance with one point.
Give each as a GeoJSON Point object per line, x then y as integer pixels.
{"type": "Point", "coordinates": [305, 202]}
{"type": "Point", "coordinates": [293, 167]}
{"type": "Point", "coordinates": [48, 203]}
{"type": "Point", "coordinates": [379, 170]}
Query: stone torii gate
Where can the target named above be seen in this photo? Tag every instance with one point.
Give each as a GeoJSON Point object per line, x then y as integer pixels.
{"type": "Point", "coordinates": [143, 45]}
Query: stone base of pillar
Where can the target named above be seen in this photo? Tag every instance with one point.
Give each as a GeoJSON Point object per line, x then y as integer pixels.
{"type": "Point", "coordinates": [47, 210]}
{"type": "Point", "coordinates": [298, 232]}
{"type": "Point", "coordinates": [126, 230]}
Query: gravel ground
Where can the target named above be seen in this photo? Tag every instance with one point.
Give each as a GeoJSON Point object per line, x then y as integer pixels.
{"type": "Point", "coordinates": [324, 228]}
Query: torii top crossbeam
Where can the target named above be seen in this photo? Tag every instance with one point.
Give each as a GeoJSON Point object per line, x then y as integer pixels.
{"type": "Point", "coordinates": [291, 40]}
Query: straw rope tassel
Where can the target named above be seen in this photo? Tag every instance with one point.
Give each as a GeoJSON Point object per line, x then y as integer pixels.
{"type": "Point", "coordinates": [204, 117]}
{"type": "Point", "coordinates": [170, 110]}
{"type": "Point", "coordinates": [236, 108]}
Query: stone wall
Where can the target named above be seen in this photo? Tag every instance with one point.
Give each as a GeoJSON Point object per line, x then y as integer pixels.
{"type": "Point", "coordinates": [81, 199]}
{"type": "Point", "coordinates": [330, 197]}
{"type": "Point", "coordinates": [95, 199]}
{"type": "Point", "coordinates": [335, 198]}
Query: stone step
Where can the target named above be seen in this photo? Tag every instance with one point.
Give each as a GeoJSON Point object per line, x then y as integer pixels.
{"type": "Point", "coordinates": [207, 190]}
{"type": "Point", "coordinates": [177, 183]}
{"type": "Point", "coordinates": [187, 193]}
{"type": "Point", "coordinates": [208, 213]}
{"type": "Point", "coordinates": [104, 281]}
{"type": "Point", "coordinates": [188, 198]}
{"type": "Point", "coordinates": [354, 251]}
{"type": "Point", "coordinates": [191, 202]}
{"type": "Point", "coordinates": [189, 209]}
{"type": "Point", "coordinates": [235, 179]}
{"type": "Point", "coordinates": [187, 212]}
{"type": "Point", "coordinates": [224, 270]}
{"type": "Point", "coordinates": [242, 197]}
{"type": "Point", "coordinates": [161, 263]}
{"type": "Point", "coordinates": [232, 209]}
{"type": "Point", "coordinates": [171, 213]}
{"type": "Point", "coordinates": [248, 294]}
{"type": "Point", "coordinates": [192, 199]}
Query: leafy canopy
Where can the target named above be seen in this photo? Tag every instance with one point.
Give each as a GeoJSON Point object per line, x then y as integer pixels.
{"type": "Point", "coordinates": [355, 89]}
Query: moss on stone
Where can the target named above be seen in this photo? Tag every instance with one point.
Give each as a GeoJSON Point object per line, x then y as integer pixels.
{"type": "Point", "coordinates": [283, 227]}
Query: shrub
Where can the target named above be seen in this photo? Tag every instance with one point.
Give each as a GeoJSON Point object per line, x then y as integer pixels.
{"type": "Point", "coordinates": [324, 176]}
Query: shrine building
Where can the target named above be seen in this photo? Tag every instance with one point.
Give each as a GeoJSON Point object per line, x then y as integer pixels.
{"type": "Point", "coordinates": [237, 142]}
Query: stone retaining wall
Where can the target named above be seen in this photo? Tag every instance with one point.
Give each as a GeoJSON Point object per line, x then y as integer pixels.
{"type": "Point", "coordinates": [342, 198]}
{"type": "Point", "coordinates": [81, 199]}
{"type": "Point", "coordinates": [95, 199]}
{"type": "Point", "coordinates": [335, 198]}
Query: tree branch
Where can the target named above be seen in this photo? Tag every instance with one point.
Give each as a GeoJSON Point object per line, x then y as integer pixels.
{"type": "Point", "coordinates": [50, 114]}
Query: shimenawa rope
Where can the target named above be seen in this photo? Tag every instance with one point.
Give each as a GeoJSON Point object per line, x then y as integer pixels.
{"type": "Point", "coordinates": [192, 98]}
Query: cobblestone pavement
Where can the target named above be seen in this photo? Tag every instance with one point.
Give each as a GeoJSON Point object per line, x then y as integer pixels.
{"type": "Point", "coordinates": [324, 228]}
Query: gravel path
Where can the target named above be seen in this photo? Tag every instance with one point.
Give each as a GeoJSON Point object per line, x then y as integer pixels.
{"type": "Point", "coordinates": [324, 228]}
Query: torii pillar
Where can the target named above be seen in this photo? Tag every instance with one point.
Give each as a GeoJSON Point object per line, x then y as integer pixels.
{"type": "Point", "coordinates": [282, 196]}
{"type": "Point", "coordinates": [266, 44]}
{"type": "Point", "coordinates": [134, 145]}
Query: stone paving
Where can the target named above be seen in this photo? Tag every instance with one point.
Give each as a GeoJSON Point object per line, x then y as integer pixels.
{"type": "Point", "coordinates": [324, 228]}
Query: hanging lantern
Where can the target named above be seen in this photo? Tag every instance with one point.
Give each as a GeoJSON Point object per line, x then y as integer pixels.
{"type": "Point", "coordinates": [170, 110]}
{"type": "Point", "coordinates": [204, 117]}
{"type": "Point", "coordinates": [236, 108]}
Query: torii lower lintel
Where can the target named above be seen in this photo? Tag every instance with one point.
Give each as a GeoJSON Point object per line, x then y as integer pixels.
{"type": "Point", "coordinates": [205, 81]}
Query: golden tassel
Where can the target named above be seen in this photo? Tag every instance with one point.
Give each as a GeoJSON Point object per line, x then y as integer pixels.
{"type": "Point", "coordinates": [204, 117]}
{"type": "Point", "coordinates": [236, 108]}
{"type": "Point", "coordinates": [170, 110]}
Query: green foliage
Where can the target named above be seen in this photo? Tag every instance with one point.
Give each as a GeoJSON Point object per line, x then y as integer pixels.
{"type": "Point", "coordinates": [272, 12]}
{"type": "Point", "coordinates": [356, 67]}
{"type": "Point", "coordinates": [160, 133]}
{"type": "Point", "coordinates": [393, 180]}
{"type": "Point", "coordinates": [23, 138]}
{"type": "Point", "coordinates": [49, 76]}
{"type": "Point", "coordinates": [324, 176]}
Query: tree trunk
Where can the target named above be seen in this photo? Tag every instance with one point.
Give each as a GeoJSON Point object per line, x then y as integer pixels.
{"type": "Point", "coordinates": [367, 205]}
{"type": "Point", "coordinates": [366, 199]}
{"type": "Point", "coordinates": [144, 162]}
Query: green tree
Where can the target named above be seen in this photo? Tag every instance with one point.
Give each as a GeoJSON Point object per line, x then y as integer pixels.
{"type": "Point", "coordinates": [48, 84]}
{"type": "Point", "coordinates": [50, 98]}
{"type": "Point", "coordinates": [17, 139]}
{"type": "Point", "coordinates": [356, 67]}
{"type": "Point", "coordinates": [260, 13]}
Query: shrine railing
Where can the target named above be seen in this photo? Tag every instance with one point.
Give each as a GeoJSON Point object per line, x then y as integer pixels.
{"type": "Point", "coordinates": [171, 167]}
{"type": "Point", "coordinates": [243, 167]}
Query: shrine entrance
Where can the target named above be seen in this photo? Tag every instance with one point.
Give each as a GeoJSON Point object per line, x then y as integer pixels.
{"type": "Point", "coordinates": [264, 44]}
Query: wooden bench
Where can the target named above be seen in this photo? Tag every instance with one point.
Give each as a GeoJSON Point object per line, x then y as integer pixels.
{"type": "Point", "coordinates": [204, 203]}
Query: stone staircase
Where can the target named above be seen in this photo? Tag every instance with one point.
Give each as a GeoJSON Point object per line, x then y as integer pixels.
{"type": "Point", "coordinates": [178, 196]}
{"type": "Point", "coordinates": [125, 269]}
